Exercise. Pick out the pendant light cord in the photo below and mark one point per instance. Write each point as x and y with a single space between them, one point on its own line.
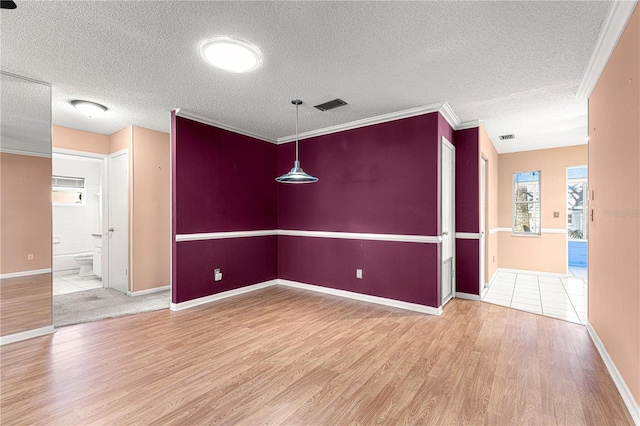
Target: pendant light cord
297 149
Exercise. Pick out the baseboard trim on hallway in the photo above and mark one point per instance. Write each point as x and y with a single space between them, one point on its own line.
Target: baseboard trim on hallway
524 271
484 292
148 291
25 273
218 296
30 334
363 297
627 396
467 296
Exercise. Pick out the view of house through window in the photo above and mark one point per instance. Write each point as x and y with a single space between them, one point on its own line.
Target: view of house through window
577 203
526 203
577 216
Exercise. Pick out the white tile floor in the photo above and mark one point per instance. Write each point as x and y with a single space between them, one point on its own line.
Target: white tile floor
64 284
564 298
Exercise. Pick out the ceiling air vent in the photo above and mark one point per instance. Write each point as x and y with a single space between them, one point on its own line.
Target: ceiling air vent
505 137
330 105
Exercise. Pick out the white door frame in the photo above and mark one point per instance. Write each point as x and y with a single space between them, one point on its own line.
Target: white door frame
452 233
108 221
483 224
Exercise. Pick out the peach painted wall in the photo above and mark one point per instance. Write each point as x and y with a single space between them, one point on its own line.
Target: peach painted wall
79 140
548 252
614 234
120 140
25 212
151 209
489 153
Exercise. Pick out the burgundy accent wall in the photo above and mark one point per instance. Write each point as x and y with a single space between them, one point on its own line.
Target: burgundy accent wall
467 180
243 261
394 270
468 209
379 179
468 266
225 181
222 181
382 179
445 129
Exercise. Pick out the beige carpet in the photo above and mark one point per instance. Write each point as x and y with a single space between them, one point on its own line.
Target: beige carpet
101 303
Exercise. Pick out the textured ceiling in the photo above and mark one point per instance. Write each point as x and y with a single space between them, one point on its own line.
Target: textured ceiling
514 65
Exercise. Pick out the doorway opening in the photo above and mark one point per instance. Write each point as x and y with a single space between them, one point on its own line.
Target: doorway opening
90 194
577 223
77 197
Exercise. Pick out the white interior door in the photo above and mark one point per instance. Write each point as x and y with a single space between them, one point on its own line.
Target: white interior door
119 222
483 221
447 286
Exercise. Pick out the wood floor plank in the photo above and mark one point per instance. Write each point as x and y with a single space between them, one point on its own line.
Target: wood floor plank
287 356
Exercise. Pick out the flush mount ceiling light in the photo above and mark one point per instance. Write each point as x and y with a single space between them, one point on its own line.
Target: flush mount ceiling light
90 109
231 54
297 175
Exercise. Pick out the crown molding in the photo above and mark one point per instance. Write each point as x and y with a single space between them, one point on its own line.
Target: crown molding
201 119
25 152
612 29
449 115
442 107
469 124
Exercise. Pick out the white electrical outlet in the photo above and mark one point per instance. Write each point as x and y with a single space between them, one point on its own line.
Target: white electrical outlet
359 273
217 275
30 256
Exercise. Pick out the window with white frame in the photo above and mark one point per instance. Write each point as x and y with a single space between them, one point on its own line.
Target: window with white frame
68 191
526 203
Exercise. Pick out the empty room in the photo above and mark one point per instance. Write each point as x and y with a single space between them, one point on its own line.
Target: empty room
320 213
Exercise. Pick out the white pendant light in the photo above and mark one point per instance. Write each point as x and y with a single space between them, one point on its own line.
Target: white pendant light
297 175
90 109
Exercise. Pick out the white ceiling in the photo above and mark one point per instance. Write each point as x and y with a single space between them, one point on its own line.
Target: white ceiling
514 65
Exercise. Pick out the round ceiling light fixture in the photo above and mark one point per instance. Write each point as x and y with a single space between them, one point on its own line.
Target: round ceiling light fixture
231 54
90 109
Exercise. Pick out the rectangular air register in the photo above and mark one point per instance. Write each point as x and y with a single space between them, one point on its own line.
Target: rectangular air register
505 137
331 105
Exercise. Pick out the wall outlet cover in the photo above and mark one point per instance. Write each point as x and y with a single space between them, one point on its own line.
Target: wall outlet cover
359 273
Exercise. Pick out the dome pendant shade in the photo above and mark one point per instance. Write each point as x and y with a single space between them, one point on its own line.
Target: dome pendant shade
297 175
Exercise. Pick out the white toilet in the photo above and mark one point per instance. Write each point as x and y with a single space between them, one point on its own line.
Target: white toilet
86 264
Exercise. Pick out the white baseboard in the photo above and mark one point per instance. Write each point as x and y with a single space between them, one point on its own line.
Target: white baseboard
524 271
25 273
467 296
493 276
148 291
318 289
30 334
363 297
206 299
627 396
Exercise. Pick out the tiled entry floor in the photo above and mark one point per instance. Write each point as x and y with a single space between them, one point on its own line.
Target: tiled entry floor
564 298
64 284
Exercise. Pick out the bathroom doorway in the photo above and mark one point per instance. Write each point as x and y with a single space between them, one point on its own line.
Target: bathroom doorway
77 189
